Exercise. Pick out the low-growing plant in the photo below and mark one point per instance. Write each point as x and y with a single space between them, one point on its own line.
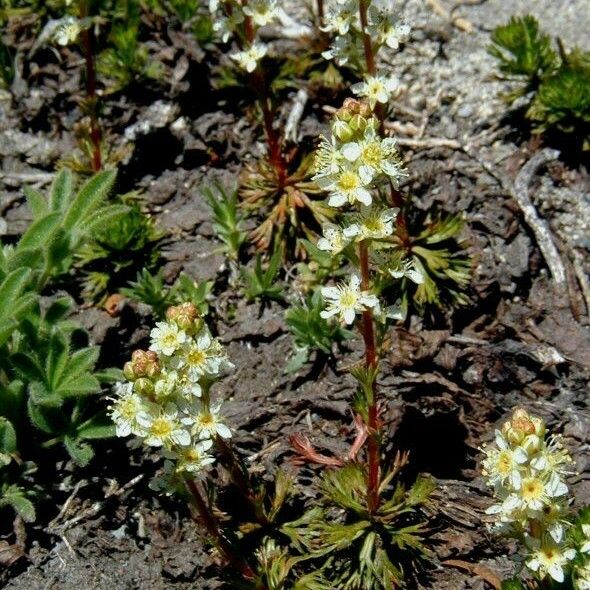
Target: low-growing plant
527 469
227 221
119 249
126 58
260 283
152 290
311 332
554 83
367 533
278 186
48 376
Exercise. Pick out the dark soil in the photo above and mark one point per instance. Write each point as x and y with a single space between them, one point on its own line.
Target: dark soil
447 380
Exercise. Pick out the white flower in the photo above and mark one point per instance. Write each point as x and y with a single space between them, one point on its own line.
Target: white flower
249 58
67 31
375 155
376 89
208 424
195 457
341 17
164 428
226 26
585 548
550 559
198 357
262 12
347 300
328 158
387 28
372 224
407 269
333 240
124 412
504 463
167 338
348 185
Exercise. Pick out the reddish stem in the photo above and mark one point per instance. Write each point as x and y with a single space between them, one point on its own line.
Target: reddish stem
321 12
273 140
373 426
213 530
367 45
95 134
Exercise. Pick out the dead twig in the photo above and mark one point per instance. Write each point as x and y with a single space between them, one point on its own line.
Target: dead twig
294 118
578 264
519 191
458 21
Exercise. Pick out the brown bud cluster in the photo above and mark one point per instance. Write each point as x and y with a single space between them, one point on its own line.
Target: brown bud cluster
143 363
522 425
186 316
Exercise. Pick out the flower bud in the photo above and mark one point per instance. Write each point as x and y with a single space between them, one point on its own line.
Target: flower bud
128 371
144 387
342 131
183 315
358 123
143 364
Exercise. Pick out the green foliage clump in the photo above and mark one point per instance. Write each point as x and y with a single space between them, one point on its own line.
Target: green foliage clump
227 220
118 251
126 59
48 376
311 332
555 82
151 290
355 548
440 256
260 283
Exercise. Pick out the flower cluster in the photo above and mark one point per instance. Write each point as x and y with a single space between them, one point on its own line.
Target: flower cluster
384 29
527 471
166 399
351 166
242 19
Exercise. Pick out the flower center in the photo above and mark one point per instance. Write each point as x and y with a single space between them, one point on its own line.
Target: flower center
532 489
372 154
348 181
196 357
347 299
161 427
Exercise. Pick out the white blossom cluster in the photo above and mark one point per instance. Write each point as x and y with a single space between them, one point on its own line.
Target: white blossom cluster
527 471
166 398
350 167
384 27
242 19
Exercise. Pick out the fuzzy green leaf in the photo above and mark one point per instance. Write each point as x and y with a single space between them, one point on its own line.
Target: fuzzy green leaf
81 453
89 198
61 190
16 497
40 232
10 289
36 202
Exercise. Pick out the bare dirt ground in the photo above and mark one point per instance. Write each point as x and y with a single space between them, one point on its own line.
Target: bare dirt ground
447 379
